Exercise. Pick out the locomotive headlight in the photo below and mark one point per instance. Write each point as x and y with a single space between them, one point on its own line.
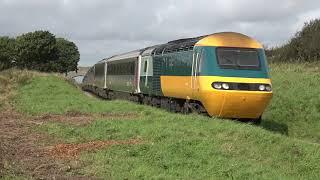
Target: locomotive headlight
268 88
262 87
217 85
225 86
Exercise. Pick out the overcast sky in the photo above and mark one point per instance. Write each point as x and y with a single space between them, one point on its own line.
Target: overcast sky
102 28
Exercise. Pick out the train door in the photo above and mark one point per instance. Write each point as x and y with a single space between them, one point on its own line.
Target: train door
105 75
196 66
146 74
137 74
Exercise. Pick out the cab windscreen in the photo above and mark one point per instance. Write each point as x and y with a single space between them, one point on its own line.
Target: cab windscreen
238 58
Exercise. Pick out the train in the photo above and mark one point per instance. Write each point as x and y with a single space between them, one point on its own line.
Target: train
223 75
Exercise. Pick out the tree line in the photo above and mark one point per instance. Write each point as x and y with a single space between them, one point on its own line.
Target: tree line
304 46
39 50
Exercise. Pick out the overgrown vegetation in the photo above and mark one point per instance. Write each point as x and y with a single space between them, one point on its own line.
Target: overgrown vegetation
39 50
303 47
286 145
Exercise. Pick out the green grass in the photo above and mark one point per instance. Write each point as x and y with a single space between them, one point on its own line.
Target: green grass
10 80
295 107
52 94
191 147
285 146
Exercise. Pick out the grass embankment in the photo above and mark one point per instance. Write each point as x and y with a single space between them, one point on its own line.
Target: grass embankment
52 94
9 82
175 145
295 107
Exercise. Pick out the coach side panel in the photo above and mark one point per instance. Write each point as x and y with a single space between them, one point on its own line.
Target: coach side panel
121 75
99 75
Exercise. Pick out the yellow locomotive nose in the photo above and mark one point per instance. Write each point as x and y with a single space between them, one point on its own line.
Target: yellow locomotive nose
236 103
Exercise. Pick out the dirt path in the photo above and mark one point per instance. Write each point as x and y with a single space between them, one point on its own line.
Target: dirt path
24 152
28 153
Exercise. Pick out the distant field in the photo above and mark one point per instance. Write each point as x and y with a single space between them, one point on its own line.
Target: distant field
118 139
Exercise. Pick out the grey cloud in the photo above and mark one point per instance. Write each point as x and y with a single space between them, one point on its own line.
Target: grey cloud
102 28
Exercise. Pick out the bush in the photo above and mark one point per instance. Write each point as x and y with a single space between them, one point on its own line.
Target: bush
304 46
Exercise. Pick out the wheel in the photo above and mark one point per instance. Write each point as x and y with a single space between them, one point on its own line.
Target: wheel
178 107
155 102
145 101
185 108
173 106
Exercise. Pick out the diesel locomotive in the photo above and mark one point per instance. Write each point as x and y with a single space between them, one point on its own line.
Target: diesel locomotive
223 75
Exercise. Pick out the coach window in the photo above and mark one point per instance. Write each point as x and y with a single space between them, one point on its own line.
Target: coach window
201 61
123 69
145 66
132 68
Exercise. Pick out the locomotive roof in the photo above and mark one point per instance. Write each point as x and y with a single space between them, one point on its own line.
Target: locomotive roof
226 39
229 39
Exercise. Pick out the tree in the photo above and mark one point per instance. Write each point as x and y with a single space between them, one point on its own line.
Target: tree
7 52
36 50
68 55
